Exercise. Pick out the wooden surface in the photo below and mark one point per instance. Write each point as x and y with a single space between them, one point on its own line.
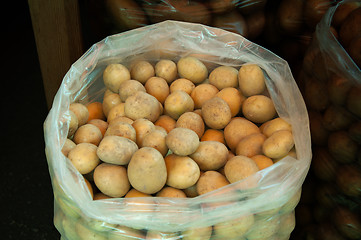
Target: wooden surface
57 31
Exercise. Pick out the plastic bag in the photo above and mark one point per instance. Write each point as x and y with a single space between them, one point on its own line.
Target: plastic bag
265 201
331 84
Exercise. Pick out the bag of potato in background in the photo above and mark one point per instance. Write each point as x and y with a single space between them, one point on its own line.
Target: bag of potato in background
260 206
331 85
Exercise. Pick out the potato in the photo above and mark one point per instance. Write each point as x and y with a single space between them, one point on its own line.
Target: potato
202 233
233 98
278 144
251 145
111 179
191 121
109 101
116 150
224 77
314 10
114 74
251 80
121 129
73 124
192 69
101 124
85 232
237 129
337 118
125 233
233 229
88 133
68 145
213 135
147 171
142 127
166 122
182 84
231 21
269 127
177 103
210 181
84 157
81 112
128 88
353 101
319 134
262 161
239 167
342 11
182 171
123 119
290 16
258 108
142 71
156 139
354 50
256 23
182 141
354 132
116 111
264 229
142 105
157 87
202 93
166 69
135 193
171 192
290 205
350 27
210 155
342 147
216 113
157 235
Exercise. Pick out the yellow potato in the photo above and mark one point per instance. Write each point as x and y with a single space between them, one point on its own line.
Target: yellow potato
142 105
84 157
109 101
182 141
142 71
262 161
278 144
182 171
210 155
115 112
68 145
224 77
269 127
157 87
233 98
202 233
216 113
81 112
177 103
166 122
147 171
114 74
111 179
192 69
128 88
202 93
251 145
116 150
142 127
237 129
73 124
191 121
121 129
122 119
88 133
233 229
166 69
263 229
210 181
251 80
258 108
156 139
239 167
171 192
182 84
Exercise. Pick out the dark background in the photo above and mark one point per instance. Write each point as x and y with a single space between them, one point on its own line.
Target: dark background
26 192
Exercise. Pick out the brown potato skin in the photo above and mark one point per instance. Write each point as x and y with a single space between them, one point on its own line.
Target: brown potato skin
191 121
210 155
216 113
239 167
350 27
182 141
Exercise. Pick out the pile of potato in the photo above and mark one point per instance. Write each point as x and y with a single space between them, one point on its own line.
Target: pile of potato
333 99
178 129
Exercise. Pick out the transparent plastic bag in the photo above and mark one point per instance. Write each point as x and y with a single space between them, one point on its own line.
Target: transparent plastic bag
258 206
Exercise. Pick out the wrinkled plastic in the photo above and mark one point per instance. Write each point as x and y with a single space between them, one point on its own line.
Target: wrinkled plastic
269 196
